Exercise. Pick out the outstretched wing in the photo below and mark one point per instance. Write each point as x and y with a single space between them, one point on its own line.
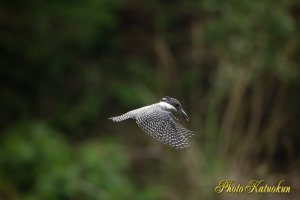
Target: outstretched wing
162 125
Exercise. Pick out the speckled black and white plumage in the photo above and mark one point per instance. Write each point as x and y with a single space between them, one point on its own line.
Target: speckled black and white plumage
158 121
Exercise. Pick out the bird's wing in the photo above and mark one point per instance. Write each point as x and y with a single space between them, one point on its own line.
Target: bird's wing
161 125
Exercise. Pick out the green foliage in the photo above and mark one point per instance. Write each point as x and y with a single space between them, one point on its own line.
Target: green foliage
37 163
233 64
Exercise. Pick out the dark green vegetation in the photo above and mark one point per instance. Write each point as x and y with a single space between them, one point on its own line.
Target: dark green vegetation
66 66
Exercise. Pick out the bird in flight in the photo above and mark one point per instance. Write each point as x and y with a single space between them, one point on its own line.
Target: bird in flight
158 121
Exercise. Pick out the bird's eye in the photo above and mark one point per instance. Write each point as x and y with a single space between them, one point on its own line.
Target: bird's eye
177 105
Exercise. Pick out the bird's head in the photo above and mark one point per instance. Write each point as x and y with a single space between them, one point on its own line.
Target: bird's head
174 105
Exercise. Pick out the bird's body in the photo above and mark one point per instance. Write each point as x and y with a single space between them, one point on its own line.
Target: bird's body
158 121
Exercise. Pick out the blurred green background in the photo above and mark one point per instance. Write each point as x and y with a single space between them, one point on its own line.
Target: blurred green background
66 66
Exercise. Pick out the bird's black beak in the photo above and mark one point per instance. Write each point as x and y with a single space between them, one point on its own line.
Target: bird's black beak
183 114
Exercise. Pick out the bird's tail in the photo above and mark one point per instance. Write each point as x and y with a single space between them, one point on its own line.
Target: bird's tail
121 117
